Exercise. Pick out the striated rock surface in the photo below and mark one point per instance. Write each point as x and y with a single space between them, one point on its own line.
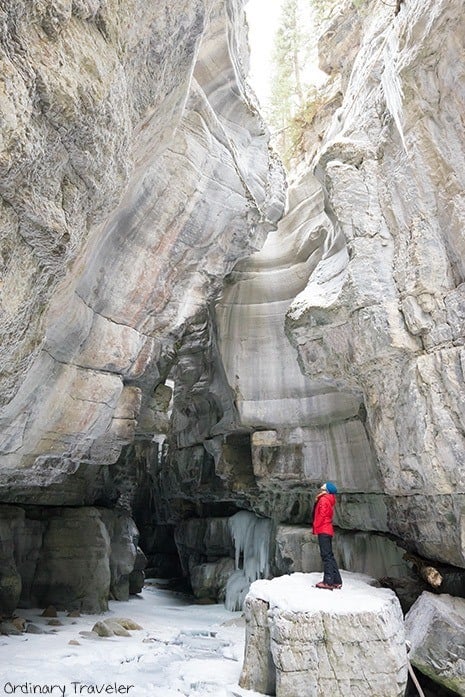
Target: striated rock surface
301 420
175 347
120 231
388 325
305 641
435 629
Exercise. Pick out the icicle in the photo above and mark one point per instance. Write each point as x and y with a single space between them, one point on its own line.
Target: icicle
237 588
239 525
251 537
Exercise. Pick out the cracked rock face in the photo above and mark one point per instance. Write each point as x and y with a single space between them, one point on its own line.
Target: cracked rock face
300 641
435 629
392 328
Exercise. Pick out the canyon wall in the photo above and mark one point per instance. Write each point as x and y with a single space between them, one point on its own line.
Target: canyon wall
184 340
392 326
128 130
135 172
364 278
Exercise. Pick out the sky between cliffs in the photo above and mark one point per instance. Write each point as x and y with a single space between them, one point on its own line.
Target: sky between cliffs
263 17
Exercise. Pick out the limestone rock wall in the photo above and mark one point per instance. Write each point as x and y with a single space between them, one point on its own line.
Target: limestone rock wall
391 327
298 642
363 276
119 229
144 242
72 558
296 549
248 426
435 630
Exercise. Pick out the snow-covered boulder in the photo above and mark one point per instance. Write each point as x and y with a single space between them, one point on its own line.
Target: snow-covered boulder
304 641
435 629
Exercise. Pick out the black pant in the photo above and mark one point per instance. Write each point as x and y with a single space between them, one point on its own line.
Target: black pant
331 573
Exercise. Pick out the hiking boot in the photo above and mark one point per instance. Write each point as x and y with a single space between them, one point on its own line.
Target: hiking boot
322 584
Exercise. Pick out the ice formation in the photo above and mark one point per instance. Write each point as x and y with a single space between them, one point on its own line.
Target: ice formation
251 537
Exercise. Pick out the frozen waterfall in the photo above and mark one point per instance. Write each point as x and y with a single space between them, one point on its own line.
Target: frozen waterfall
251 537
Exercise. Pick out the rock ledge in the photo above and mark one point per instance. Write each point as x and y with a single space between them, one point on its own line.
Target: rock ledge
304 641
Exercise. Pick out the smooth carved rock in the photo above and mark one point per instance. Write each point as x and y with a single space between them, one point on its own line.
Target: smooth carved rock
75 332
309 642
259 361
435 629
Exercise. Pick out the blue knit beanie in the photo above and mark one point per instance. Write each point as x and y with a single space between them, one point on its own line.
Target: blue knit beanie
331 488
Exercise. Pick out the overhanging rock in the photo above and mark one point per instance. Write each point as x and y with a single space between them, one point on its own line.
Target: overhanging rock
304 641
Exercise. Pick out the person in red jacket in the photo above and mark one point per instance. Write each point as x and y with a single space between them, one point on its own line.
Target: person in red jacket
323 512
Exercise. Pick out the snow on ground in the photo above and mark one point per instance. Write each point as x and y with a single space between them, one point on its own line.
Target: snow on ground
297 593
183 649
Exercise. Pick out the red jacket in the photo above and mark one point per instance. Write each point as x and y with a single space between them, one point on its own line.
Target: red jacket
323 514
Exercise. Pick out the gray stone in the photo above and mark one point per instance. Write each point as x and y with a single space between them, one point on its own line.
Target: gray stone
10 589
102 630
332 349
124 536
136 582
49 611
209 579
127 623
74 335
435 629
258 671
312 642
89 635
73 570
388 325
7 628
115 626
12 540
198 538
32 628
360 552
338 451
